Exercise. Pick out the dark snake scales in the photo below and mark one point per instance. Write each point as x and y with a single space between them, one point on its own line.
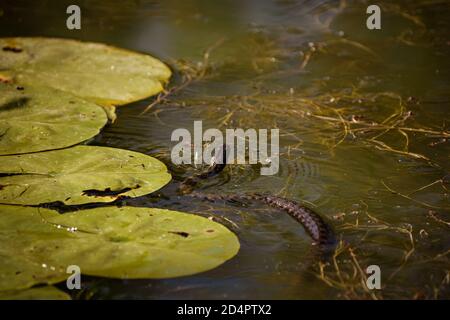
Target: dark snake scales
321 233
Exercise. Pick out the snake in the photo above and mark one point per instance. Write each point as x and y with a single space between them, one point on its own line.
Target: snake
315 225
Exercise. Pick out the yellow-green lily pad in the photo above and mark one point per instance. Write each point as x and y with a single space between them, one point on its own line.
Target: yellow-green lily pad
40 293
78 175
38 245
98 72
36 118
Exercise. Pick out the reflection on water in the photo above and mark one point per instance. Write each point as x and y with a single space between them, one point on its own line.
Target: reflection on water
363 119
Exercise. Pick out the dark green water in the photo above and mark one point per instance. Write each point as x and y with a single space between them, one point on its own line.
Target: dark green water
359 112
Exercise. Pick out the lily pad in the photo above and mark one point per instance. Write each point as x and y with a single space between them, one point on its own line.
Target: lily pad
41 293
36 118
128 243
101 73
78 175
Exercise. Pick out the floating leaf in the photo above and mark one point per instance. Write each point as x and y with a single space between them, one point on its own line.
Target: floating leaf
82 174
37 245
101 73
41 293
39 118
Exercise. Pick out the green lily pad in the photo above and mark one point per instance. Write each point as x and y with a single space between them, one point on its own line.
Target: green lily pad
39 118
41 293
78 175
101 73
128 243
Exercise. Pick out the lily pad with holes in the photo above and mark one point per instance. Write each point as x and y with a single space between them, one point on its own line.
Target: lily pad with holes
78 175
36 118
100 73
37 245
40 293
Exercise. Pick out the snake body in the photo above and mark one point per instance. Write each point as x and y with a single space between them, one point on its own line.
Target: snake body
320 232
314 224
